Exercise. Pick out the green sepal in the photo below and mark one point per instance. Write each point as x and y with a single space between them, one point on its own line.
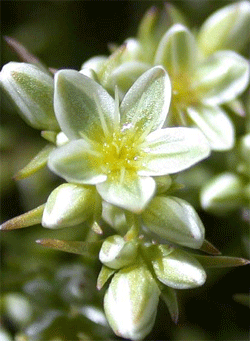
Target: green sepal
29 218
87 249
220 261
37 163
209 248
169 296
103 276
49 135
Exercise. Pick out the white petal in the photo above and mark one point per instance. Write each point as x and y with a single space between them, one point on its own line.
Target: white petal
172 150
215 125
222 77
82 106
129 192
78 162
146 104
227 28
177 51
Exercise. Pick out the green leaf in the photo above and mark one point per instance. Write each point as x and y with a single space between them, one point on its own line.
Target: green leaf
145 106
89 249
29 218
170 298
177 51
32 92
104 276
175 220
220 261
227 28
172 150
37 163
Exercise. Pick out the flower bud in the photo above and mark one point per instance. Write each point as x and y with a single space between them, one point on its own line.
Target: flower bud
68 205
178 269
223 193
130 302
117 253
31 89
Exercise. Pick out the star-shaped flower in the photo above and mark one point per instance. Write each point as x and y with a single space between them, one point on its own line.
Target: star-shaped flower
121 148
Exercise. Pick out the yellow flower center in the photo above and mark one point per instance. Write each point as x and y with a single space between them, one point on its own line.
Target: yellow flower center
121 153
183 93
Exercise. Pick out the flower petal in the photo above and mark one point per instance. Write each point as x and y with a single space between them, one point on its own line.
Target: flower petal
82 106
145 106
175 220
172 150
129 192
227 28
32 92
215 125
179 270
177 51
78 162
222 77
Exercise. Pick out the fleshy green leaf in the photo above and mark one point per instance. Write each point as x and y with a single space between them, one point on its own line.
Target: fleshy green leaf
227 28
222 77
145 106
129 192
172 150
68 205
170 298
31 90
77 161
179 270
104 276
215 125
38 162
177 51
79 248
175 220
82 106
220 261
29 218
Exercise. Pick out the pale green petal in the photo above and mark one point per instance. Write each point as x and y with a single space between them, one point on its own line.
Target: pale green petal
179 270
127 73
215 125
175 220
222 77
32 92
223 193
177 51
172 150
94 63
227 28
78 162
130 302
145 106
129 192
82 106
68 205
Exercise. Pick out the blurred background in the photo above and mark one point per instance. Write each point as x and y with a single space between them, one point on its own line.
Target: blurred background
64 34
